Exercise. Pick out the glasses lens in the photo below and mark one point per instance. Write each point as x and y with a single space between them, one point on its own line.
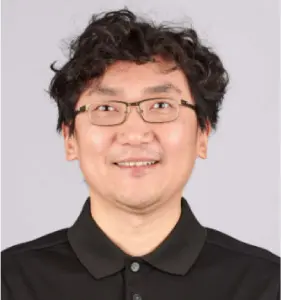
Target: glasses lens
107 113
159 110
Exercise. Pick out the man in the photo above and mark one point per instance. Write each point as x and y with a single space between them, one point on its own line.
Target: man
137 102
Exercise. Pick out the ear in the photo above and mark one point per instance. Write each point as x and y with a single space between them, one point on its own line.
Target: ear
202 146
70 144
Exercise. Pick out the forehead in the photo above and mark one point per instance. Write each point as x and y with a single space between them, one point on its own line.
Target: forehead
129 76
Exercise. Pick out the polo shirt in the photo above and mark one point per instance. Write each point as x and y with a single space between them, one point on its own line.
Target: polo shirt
194 262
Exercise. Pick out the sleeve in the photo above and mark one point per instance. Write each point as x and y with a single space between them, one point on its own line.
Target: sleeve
8 277
15 284
276 287
6 293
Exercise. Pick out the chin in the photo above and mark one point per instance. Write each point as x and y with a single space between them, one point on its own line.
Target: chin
135 203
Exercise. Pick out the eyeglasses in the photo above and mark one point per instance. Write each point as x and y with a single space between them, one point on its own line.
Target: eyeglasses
152 110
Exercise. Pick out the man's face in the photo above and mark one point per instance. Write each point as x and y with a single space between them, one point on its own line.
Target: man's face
175 144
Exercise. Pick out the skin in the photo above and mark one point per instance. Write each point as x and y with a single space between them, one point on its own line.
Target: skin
137 209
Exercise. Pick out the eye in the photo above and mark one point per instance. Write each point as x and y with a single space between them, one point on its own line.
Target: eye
104 107
161 104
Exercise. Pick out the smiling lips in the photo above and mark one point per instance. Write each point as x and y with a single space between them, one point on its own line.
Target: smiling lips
136 163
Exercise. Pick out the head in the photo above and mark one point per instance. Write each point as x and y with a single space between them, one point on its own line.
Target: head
120 57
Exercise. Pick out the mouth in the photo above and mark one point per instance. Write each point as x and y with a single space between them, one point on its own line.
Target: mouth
137 165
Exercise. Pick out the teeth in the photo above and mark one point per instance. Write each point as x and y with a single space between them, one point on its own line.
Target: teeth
136 163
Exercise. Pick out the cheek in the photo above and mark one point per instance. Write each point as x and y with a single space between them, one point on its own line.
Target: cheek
93 147
179 145
180 137
97 141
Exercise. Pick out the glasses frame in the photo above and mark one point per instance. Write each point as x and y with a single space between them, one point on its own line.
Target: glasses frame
86 108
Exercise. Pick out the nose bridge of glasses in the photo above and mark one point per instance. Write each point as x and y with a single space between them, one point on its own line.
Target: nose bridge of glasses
137 105
139 111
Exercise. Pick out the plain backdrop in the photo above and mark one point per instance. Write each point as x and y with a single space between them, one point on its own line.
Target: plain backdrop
235 190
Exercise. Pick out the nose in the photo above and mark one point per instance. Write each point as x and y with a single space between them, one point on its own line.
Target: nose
134 130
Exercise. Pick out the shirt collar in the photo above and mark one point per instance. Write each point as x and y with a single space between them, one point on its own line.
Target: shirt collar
175 255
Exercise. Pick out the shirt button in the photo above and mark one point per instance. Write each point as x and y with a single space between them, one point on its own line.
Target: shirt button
135 267
137 297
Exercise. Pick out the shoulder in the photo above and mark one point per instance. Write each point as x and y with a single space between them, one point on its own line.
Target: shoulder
241 255
239 248
23 250
22 263
246 265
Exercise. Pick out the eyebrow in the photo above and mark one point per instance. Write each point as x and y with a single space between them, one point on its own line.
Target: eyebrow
104 90
161 88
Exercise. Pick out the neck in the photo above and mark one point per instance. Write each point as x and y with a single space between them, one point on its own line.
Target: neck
134 233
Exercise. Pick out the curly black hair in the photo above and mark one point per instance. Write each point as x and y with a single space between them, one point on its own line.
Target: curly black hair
121 35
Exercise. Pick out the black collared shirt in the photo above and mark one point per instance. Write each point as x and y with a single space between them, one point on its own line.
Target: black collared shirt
194 262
